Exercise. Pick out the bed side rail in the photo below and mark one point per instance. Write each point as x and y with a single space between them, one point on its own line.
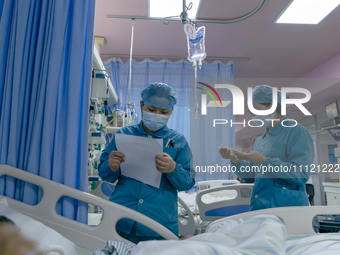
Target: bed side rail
184 229
214 183
240 203
82 235
189 227
98 190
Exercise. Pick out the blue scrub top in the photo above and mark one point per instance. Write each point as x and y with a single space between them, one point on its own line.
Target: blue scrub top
289 147
158 204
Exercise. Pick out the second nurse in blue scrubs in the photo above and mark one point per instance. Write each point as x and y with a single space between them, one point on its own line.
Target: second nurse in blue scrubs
157 103
283 146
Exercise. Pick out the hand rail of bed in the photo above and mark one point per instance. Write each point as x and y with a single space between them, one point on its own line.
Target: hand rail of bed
202 185
184 229
298 219
242 199
82 235
98 190
189 227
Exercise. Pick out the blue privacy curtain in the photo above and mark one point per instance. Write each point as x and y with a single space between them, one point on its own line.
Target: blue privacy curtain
178 75
45 79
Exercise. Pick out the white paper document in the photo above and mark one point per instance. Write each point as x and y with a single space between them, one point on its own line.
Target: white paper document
140 158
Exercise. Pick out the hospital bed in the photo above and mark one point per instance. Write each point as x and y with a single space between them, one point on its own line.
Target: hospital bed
298 220
87 237
186 225
237 202
215 199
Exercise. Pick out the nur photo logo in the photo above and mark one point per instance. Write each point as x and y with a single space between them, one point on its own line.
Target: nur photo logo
238 101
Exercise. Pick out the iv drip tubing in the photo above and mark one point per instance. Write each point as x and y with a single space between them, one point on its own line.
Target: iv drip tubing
130 71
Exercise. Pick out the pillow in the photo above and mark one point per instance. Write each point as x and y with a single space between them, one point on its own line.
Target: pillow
37 231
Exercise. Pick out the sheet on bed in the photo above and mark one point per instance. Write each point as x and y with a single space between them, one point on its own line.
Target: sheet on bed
262 234
317 244
115 248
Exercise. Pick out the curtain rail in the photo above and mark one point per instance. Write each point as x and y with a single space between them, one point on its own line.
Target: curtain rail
225 21
174 57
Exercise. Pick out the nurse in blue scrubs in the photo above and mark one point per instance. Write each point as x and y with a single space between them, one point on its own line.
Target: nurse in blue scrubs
157 103
284 148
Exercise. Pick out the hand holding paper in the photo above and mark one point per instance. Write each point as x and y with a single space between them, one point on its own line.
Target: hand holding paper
115 159
165 163
140 158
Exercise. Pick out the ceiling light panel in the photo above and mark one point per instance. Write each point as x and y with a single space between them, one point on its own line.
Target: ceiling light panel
307 11
167 8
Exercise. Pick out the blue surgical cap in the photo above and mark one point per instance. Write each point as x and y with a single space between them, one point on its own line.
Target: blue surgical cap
264 94
159 95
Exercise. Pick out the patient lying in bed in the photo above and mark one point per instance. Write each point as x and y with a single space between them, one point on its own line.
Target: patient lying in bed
12 242
261 234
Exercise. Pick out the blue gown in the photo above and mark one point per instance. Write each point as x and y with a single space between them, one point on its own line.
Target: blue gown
290 147
158 204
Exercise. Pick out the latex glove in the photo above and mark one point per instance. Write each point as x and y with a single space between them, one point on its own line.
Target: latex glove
226 154
115 159
165 163
253 156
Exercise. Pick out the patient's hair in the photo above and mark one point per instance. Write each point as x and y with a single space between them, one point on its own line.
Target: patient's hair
4 219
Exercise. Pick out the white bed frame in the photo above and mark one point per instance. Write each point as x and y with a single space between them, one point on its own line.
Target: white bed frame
189 227
185 229
82 235
242 198
214 183
98 190
298 219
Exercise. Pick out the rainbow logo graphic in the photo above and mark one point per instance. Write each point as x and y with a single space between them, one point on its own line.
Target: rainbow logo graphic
209 93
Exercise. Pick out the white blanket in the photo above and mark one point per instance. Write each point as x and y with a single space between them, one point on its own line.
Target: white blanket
327 244
262 234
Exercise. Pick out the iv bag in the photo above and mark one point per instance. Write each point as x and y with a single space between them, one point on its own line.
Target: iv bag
196 47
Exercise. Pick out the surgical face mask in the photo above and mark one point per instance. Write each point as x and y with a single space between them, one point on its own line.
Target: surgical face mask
267 120
154 121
